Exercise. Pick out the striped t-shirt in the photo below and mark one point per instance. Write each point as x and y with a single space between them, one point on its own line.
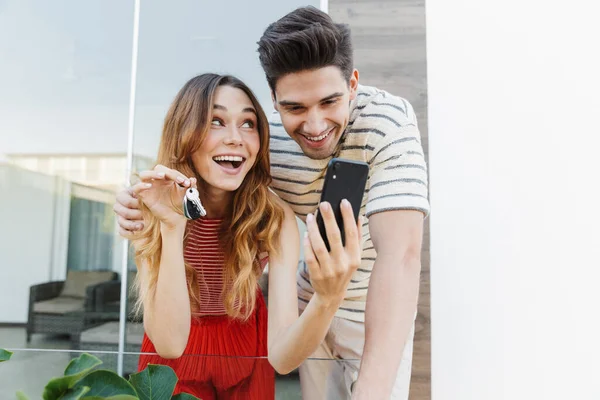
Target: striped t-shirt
203 253
383 132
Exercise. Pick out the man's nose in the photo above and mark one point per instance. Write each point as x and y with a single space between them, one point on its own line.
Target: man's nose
315 124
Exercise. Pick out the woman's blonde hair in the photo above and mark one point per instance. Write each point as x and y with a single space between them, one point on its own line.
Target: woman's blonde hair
253 220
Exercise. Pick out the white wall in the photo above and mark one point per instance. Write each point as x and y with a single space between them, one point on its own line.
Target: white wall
33 241
514 135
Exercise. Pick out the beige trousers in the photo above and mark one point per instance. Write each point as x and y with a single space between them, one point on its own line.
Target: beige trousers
332 370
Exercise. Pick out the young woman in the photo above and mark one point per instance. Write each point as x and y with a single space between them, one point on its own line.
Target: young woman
204 314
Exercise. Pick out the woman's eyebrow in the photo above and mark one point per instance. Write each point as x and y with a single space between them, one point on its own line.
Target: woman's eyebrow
245 110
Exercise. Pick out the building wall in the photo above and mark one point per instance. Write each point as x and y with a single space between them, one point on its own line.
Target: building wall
389 52
513 117
34 210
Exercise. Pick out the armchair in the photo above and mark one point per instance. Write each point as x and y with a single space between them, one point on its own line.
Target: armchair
59 307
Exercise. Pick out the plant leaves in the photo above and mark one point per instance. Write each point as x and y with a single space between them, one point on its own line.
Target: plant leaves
83 363
21 396
155 382
75 394
77 369
104 383
117 397
5 355
184 396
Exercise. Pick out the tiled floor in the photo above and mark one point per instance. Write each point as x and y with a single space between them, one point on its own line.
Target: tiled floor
30 370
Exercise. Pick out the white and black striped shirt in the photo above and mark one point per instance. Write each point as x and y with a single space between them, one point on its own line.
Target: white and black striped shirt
383 132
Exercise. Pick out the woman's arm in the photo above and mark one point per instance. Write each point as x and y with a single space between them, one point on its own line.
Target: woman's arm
167 314
292 339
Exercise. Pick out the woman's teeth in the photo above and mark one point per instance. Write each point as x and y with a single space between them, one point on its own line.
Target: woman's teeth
228 158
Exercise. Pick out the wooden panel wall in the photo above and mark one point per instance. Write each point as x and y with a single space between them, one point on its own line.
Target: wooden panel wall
389 45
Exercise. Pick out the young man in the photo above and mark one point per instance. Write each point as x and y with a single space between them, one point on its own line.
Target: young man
322 112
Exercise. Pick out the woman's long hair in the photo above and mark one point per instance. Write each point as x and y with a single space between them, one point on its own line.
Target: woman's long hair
253 220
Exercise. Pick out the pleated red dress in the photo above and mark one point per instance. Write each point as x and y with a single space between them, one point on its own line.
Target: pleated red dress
225 358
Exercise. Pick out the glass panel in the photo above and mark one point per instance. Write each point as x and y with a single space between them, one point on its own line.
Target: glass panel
91 231
174 46
29 371
63 123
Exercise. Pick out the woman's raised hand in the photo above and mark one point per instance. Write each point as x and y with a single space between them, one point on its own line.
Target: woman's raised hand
162 190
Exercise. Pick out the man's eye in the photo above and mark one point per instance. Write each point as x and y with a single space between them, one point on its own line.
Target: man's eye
329 102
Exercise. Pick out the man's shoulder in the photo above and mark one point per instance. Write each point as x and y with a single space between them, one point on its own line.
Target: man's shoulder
274 121
371 100
378 117
277 133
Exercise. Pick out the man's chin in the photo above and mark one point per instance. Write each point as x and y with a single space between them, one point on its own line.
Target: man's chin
319 153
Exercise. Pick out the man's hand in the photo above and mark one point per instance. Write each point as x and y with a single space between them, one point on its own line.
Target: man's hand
127 206
330 272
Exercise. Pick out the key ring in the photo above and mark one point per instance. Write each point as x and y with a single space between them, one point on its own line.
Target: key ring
192 206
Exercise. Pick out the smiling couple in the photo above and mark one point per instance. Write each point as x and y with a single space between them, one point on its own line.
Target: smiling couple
198 279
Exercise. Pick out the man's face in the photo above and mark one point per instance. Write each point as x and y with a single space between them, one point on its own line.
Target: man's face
315 107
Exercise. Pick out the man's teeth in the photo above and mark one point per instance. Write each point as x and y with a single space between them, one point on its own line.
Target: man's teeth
228 158
318 138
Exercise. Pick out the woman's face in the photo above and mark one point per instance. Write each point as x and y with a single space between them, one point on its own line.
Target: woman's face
232 143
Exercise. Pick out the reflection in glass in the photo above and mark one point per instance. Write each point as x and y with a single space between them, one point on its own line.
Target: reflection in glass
63 118
30 370
174 48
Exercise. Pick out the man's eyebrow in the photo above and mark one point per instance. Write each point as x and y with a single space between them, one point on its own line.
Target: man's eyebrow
331 96
287 103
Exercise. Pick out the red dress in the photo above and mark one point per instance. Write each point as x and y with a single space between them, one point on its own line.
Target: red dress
224 358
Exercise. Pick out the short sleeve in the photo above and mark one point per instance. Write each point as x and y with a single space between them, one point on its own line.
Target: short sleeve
398 173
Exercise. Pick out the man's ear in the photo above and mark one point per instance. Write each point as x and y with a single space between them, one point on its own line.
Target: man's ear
274 100
353 84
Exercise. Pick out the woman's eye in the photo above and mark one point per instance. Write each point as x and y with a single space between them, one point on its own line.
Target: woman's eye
216 122
248 124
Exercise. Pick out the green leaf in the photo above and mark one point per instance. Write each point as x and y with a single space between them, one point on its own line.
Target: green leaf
155 382
184 396
84 363
21 396
117 397
103 383
77 369
75 394
5 355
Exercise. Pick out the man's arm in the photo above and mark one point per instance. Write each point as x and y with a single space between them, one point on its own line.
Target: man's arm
392 300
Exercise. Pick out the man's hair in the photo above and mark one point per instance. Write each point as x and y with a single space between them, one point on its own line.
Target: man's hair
305 39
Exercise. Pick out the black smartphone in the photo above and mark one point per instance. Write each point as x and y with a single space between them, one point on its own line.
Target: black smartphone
344 179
